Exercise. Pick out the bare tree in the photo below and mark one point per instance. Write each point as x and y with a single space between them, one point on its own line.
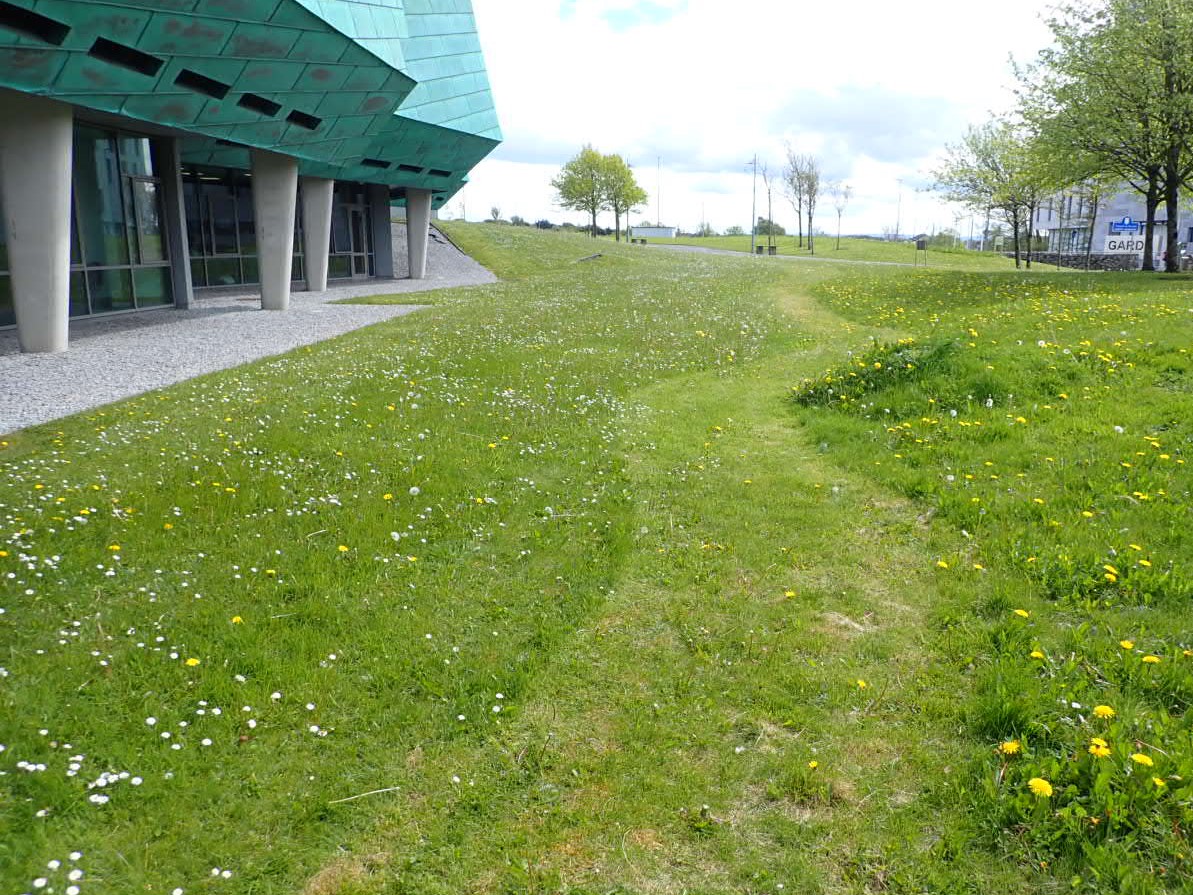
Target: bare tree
767 181
811 194
841 194
793 186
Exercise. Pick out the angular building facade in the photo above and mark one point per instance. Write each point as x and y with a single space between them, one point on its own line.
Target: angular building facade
155 147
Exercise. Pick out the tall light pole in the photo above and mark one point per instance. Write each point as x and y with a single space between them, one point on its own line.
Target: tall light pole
754 205
658 195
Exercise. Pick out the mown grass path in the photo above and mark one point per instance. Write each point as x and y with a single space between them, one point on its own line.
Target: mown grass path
550 588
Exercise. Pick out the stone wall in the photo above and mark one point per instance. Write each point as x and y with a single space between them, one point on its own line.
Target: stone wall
1076 260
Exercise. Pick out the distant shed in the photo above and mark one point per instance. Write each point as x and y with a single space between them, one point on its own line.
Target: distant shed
653 232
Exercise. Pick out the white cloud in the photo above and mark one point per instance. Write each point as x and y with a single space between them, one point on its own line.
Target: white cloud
875 88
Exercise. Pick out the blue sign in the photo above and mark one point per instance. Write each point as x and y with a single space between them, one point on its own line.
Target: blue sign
1126 225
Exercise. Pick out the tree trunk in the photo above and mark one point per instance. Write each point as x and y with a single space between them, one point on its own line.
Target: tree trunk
1172 188
594 223
616 225
1015 229
1149 228
811 244
1031 231
1095 198
799 220
838 231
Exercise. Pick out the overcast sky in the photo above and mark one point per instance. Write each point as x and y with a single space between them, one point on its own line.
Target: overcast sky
874 89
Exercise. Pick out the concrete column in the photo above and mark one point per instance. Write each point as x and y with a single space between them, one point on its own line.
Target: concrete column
275 201
418 225
382 225
174 223
36 161
317 194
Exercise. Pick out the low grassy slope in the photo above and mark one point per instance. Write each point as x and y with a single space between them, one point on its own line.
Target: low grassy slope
853 249
552 588
1049 422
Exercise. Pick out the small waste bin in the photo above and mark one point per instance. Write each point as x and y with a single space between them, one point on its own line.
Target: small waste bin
759 249
772 250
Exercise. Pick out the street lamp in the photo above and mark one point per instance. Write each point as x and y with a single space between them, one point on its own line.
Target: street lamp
754 204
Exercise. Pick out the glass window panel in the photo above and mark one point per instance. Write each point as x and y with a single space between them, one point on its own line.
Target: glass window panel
221 208
3 247
198 274
338 267
251 274
153 287
195 235
247 220
136 156
76 253
223 272
358 231
100 206
149 217
7 316
340 239
111 290
78 295
130 219
296 269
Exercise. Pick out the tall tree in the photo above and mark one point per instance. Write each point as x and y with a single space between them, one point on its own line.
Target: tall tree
622 192
811 177
580 184
993 167
794 183
1118 86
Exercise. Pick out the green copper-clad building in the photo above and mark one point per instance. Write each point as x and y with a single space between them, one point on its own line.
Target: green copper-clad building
152 148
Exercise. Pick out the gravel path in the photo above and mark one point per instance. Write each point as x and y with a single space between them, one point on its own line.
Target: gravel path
112 358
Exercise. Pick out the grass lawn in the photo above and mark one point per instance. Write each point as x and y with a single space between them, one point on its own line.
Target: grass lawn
654 573
853 249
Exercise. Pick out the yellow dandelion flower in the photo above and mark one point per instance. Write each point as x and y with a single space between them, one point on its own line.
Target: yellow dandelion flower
1011 747
1151 660
237 620
1040 787
1098 748
1036 654
813 765
387 497
343 548
1140 758
192 662
115 548
1104 712
861 684
1159 781
1127 644
941 564
789 593
1022 613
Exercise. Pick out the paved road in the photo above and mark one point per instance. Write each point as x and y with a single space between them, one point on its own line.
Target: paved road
706 251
